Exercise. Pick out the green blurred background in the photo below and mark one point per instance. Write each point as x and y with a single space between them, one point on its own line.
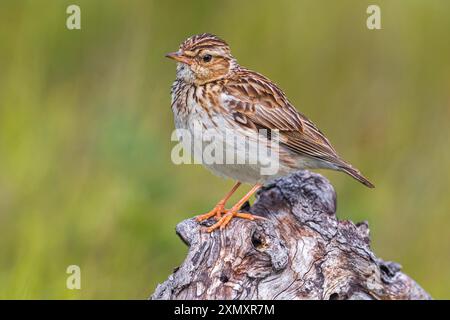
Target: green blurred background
85 124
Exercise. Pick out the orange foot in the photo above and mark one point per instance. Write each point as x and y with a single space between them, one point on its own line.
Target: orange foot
222 223
234 211
218 210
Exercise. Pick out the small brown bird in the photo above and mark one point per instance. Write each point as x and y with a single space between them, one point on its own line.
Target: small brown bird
213 91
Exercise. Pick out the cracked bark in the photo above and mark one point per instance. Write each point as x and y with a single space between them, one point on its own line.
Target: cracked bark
302 251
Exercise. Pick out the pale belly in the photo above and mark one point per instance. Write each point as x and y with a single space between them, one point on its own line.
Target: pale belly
231 151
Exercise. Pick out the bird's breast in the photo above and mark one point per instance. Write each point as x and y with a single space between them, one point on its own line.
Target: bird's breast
210 135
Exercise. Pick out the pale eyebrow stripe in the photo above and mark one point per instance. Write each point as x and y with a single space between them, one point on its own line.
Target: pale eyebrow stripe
189 53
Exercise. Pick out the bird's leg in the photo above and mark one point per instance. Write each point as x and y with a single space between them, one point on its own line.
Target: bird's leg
234 211
220 207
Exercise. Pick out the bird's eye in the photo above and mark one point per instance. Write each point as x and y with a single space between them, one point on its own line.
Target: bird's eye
207 58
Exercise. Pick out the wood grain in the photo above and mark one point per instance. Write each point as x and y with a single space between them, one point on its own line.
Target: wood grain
301 251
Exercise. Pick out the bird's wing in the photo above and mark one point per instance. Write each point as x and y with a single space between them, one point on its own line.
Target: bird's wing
256 102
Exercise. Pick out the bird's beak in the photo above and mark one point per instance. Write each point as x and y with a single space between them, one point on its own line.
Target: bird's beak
178 56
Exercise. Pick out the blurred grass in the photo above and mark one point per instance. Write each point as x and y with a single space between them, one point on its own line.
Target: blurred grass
85 124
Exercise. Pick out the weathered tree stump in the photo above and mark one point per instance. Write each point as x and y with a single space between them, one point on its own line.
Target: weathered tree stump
300 252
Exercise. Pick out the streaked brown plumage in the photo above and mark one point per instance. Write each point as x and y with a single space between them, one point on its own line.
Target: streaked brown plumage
212 89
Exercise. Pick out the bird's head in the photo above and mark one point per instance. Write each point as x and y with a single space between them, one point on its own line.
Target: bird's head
203 58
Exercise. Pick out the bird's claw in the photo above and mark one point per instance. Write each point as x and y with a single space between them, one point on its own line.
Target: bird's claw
216 212
223 222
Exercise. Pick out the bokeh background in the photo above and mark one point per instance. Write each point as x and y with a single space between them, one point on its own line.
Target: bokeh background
85 124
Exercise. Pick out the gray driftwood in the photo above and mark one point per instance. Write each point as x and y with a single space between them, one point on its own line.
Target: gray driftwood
302 251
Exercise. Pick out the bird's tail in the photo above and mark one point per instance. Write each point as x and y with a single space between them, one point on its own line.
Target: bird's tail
348 169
